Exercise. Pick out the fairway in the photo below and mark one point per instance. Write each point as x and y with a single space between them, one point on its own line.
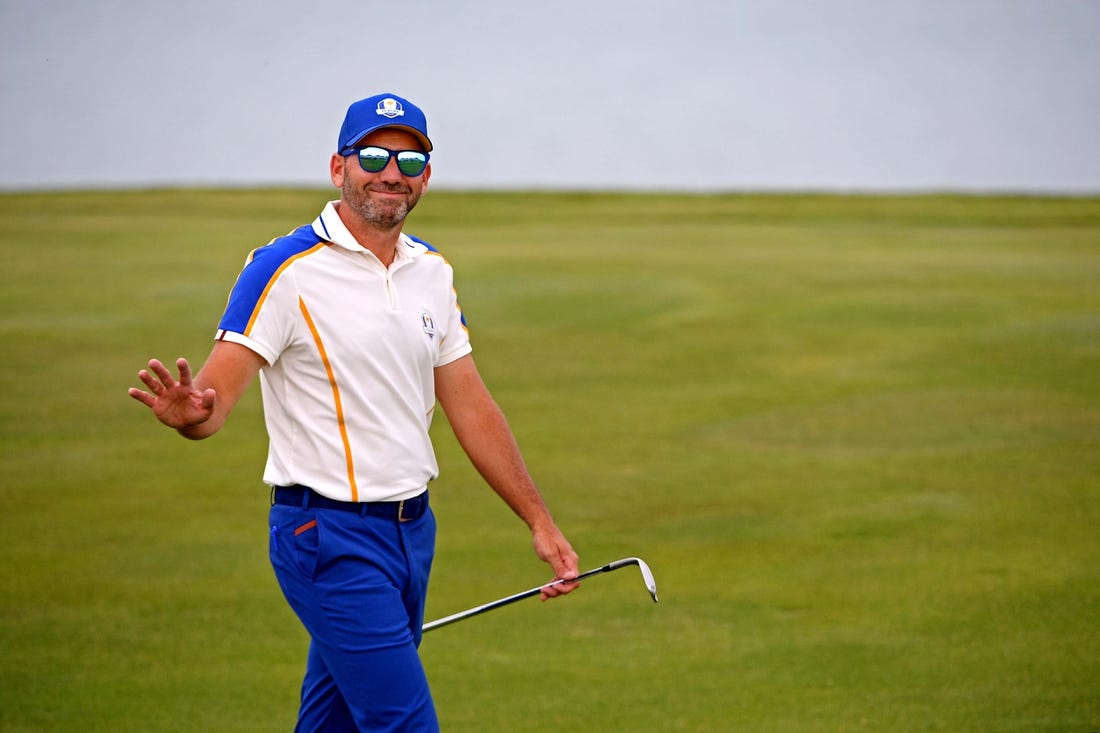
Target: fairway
856 438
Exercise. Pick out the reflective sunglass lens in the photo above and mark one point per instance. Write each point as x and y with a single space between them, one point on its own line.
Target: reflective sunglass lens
374 159
411 162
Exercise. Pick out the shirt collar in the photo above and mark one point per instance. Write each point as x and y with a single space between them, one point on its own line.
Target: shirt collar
329 227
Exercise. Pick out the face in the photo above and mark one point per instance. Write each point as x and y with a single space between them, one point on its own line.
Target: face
381 200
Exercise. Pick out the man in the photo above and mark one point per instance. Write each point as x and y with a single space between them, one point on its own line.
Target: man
355 330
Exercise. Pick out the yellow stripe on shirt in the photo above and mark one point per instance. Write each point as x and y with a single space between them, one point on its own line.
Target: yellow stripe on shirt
335 397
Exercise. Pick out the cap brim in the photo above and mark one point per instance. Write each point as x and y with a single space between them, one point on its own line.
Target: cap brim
388 126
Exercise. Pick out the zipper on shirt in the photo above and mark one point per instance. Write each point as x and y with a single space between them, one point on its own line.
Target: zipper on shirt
391 296
387 283
391 290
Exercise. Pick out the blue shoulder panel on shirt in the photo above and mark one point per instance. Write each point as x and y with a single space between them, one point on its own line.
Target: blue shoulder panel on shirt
418 240
255 276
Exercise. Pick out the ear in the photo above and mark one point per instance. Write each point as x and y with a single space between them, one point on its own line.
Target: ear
425 176
336 169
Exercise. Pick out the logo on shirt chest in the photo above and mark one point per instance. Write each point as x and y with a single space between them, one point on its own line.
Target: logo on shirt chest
428 324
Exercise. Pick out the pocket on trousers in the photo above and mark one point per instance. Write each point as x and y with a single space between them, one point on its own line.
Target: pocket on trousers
307 545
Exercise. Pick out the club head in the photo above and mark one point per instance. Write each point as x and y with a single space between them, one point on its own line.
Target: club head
647 574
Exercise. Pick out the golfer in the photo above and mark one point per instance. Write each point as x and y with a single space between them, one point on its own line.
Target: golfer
356 333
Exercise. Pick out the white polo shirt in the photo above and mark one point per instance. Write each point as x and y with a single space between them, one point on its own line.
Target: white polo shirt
348 388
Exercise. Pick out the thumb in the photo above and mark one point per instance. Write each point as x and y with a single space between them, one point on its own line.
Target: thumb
563 559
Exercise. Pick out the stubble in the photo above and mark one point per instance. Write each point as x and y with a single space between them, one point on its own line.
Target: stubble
380 214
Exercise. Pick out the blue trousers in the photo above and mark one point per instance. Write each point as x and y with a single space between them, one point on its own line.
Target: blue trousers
358 584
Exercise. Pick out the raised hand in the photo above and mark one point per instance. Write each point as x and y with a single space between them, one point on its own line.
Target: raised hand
177 404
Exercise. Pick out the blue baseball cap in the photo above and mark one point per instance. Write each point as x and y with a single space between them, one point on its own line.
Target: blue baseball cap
378 112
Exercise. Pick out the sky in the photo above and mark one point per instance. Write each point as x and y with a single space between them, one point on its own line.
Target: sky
691 95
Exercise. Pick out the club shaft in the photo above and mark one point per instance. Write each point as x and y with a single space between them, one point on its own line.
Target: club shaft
516 597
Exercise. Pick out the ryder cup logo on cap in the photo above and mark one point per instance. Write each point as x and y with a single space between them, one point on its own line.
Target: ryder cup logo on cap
379 112
390 107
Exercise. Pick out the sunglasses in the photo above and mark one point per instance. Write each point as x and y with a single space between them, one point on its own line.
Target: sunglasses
373 159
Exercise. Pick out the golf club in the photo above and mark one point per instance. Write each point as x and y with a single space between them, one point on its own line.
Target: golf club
647 576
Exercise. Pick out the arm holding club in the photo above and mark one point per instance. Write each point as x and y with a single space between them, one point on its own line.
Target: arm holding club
484 435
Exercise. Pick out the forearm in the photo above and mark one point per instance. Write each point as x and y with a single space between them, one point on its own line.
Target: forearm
484 434
492 448
488 441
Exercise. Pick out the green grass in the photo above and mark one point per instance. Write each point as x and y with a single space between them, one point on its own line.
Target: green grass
856 438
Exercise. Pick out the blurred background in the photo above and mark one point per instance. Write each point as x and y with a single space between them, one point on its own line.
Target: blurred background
855 95
856 436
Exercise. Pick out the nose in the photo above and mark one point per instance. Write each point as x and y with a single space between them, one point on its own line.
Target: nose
391 173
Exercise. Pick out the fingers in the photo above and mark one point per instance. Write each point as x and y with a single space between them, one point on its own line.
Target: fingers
143 397
177 404
557 588
162 374
185 371
149 381
563 559
159 380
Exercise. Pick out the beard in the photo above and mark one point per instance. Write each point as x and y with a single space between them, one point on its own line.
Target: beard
380 214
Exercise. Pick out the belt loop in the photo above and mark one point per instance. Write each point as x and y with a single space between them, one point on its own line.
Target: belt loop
305 497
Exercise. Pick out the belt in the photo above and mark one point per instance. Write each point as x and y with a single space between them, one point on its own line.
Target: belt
405 510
